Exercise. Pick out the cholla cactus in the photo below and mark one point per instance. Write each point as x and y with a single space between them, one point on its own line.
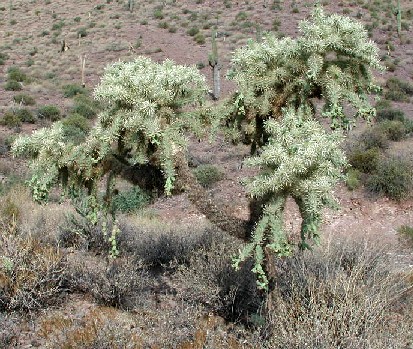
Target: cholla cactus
303 161
331 60
146 116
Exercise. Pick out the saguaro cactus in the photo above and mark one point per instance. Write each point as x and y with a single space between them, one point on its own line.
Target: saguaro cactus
216 67
399 18
131 5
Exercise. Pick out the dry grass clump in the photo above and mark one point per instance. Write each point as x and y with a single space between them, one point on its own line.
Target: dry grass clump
344 295
209 279
31 274
123 282
100 328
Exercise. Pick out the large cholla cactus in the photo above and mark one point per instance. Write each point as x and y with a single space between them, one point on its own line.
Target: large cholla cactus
331 60
147 112
303 161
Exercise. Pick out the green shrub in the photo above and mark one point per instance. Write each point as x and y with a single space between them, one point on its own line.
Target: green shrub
241 16
85 110
10 120
78 121
15 74
158 14
3 58
193 31
25 115
199 38
24 99
364 160
353 180
59 25
75 128
394 129
72 90
13 85
207 175
392 177
398 90
82 32
406 233
390 114
374 137
49 112
130 200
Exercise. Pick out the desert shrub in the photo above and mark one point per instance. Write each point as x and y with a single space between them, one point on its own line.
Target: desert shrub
25 115
76 121
193 31
118 283
199 38
58 26
9 330
398 90
406 233
161 248
364 160
374 137
84 109
100 327
340 296
130 200
158 14
353 179
31 275
24 99
10 120
49 112
209 279
15 74
390 114
394 129
3 58
81 32
72 90
207 174
392 177
73 134
12 85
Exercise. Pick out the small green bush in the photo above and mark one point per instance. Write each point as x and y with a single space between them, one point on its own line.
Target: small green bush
25 115
85 110
78 121
375 138
353 179
193 31
130 200
72 90
241 16
82 32
10 120
406 233
364 160
207 175
158 14
392 177
13 85
390 114
15 74
49 112
24 99
59 25
3 58
394 129
398 90
199 39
